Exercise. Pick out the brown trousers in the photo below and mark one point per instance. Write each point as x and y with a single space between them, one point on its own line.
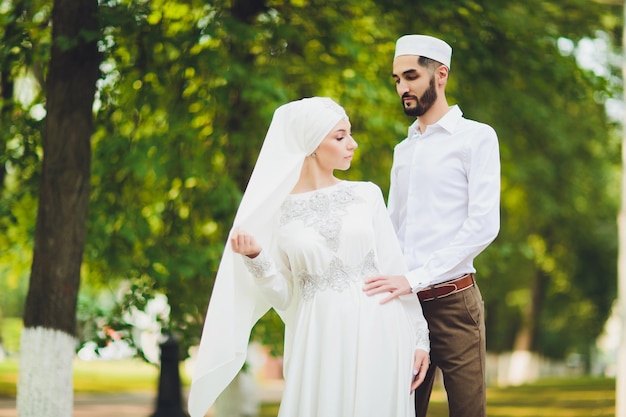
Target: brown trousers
457 347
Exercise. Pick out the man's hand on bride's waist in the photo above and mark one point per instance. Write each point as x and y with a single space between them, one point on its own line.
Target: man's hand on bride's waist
396 285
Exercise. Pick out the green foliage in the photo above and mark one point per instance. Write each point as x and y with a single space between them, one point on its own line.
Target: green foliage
187 92
10 333
23 54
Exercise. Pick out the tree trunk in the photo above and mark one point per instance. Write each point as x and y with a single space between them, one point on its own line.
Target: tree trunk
525 338
48 341
523 364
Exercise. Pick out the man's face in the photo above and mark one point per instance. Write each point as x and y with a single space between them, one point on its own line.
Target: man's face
415 85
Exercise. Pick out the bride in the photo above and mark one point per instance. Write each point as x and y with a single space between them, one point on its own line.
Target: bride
303 243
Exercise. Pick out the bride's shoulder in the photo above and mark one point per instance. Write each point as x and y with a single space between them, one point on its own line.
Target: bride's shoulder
366 187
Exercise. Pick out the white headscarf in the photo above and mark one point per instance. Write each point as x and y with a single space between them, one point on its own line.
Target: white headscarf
296 130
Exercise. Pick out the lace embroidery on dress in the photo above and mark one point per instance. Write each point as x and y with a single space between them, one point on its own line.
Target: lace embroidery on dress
322 211
258 266
423 340
337 276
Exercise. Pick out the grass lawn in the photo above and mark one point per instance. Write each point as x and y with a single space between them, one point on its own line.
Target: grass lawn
579 397
566 397
94 377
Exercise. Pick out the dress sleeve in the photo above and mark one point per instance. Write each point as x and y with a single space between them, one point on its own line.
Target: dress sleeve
391 262
273 277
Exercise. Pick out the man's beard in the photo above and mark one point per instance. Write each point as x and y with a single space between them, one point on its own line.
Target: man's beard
424 103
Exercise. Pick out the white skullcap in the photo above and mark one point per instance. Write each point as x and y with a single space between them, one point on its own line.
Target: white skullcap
426 46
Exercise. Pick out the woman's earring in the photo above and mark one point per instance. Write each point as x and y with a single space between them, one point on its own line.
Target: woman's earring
313 155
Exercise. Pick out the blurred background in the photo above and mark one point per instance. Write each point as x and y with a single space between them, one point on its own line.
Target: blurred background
184 95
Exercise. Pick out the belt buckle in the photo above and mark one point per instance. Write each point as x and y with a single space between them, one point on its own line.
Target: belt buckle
433 293
451 285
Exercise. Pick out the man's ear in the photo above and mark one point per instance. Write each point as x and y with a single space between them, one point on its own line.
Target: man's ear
442 74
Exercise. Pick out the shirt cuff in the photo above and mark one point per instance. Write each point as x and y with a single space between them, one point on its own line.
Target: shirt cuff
417 280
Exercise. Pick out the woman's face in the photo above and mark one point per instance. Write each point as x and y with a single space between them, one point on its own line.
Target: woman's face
337 148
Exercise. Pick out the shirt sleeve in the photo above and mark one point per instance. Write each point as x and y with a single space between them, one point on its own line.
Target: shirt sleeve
482 224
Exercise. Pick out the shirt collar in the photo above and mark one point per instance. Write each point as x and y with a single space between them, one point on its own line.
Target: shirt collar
448 122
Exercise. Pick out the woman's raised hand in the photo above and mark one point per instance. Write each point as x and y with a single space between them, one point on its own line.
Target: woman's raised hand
244 244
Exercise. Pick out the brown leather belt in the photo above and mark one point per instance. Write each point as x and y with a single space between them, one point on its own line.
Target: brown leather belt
447 288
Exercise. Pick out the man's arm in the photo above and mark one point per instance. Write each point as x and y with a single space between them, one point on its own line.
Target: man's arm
478 230
395 285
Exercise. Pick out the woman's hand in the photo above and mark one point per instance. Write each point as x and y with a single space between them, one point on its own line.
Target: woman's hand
244 244
421 361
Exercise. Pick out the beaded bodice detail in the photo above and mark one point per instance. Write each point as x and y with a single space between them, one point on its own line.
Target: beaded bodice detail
324 211
321 210
337 276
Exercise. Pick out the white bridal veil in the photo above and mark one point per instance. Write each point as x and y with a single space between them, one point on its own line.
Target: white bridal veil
296 130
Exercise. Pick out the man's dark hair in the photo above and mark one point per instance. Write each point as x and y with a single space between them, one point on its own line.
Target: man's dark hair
431 64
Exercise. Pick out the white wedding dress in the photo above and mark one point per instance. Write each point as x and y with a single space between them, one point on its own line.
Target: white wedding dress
346 355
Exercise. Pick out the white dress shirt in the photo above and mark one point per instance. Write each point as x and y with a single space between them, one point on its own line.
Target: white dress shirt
444 199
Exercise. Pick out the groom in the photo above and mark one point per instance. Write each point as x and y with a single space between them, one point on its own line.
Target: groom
444 202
